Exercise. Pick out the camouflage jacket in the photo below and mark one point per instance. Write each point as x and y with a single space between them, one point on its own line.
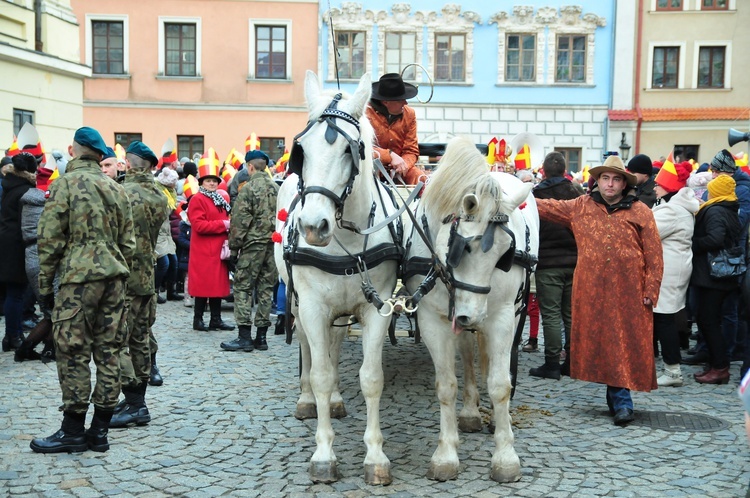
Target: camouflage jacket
150 211
86 229
254 213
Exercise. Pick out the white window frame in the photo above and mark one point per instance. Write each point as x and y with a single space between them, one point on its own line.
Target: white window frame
90 19
163 20
727 44
353 18
680 68
252 24
540 43
453 22
401 22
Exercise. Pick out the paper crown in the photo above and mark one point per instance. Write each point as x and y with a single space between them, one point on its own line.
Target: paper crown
209 165
168 152
252 142
190 187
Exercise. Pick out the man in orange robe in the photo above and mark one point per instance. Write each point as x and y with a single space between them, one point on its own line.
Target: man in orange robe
615 285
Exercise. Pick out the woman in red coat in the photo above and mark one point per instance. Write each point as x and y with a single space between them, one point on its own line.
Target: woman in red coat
208 274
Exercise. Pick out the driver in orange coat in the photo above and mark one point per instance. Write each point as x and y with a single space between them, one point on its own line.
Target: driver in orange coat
395 126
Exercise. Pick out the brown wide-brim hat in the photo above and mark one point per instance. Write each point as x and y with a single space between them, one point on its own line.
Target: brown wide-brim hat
614 164
392 87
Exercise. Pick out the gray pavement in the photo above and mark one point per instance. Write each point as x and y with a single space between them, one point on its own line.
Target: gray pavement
223 425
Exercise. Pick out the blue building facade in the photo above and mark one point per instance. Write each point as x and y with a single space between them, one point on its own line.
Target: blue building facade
498 69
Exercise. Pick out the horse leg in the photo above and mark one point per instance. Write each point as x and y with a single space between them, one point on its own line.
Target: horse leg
469 419
338 410
374 329
506 466
440 342
306 402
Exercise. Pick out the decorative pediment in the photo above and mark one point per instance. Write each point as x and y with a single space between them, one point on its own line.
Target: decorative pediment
350 17
569 16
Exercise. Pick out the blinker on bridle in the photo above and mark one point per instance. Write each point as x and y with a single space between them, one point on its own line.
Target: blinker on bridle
296 157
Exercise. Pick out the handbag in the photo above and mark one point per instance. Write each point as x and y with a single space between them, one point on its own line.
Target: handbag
727 263
225 252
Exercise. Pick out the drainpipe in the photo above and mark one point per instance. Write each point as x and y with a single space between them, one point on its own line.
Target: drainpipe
38 43
638 56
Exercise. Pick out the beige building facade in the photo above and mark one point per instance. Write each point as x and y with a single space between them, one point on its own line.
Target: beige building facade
205 73
689 85
42 76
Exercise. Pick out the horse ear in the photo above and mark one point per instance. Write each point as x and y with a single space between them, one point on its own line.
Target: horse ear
519 195
470 204
361 95
312 86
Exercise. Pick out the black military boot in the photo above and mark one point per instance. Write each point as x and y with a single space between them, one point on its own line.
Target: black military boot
244 341
71 437
198 309
96 435
172 292
155 379
550 369
260 339
280 328
216 323
135 410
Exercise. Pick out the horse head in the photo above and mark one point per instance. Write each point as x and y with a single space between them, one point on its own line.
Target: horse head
331 156
475 221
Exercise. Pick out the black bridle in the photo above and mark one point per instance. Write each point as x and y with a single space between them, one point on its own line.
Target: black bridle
355 150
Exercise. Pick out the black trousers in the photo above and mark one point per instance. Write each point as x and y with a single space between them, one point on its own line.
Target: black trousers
709 317
665 330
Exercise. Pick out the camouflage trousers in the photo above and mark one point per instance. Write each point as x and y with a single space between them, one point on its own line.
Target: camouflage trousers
135 354
88 320
255 270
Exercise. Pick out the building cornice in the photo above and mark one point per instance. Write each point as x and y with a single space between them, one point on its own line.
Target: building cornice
45 62
195 106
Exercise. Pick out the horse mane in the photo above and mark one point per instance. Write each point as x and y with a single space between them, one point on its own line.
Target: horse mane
367 133
461 170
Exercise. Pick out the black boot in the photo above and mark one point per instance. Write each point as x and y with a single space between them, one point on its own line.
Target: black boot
136 411
217 323
96 435
198 309
244 341
26 352
71 437
198 324
260 339
155 379
172 293
550 369
280 325
565 367
48 353
12 343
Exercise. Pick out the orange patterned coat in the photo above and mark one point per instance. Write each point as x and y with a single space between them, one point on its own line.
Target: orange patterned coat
619 263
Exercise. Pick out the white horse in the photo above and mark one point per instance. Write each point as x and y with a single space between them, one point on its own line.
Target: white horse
328 262
469 215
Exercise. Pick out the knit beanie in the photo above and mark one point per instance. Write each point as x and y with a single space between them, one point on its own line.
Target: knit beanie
640 163
168 177
672 177
721 186
24 162
723 162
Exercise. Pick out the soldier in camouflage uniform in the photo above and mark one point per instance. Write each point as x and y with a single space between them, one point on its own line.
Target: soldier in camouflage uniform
85 235
251 227
149 206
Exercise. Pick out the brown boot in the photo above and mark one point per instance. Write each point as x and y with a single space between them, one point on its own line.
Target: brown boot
714 376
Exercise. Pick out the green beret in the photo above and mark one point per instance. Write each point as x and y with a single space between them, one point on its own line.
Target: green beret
141 150
256 154
89 137
110 153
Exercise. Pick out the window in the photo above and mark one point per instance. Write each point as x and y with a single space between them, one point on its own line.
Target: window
686 152
108 45
520 58
351 47
180 49
270 55
714 5
668 4
21 117
571 59
711 67
187 145
272 146
400 50
450 57
125 139
572 157
665 66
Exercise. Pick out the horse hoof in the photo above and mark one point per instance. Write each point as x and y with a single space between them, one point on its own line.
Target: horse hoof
470 424
338 410
305 411
324 472
378 475
510 473
443 472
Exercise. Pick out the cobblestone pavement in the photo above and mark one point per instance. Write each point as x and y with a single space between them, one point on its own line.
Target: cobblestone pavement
223 425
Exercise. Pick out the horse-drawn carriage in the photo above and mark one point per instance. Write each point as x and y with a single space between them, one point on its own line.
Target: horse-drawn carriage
340 256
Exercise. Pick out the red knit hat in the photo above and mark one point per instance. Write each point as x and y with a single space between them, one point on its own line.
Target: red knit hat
672 177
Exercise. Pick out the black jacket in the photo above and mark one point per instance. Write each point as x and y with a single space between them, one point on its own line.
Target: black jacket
716 227
646 193
12 262
557 246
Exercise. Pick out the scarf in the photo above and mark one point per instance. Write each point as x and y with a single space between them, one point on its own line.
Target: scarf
219 201
171 196
720 189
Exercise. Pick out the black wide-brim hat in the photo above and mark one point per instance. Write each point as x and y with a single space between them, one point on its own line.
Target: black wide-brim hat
392 87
